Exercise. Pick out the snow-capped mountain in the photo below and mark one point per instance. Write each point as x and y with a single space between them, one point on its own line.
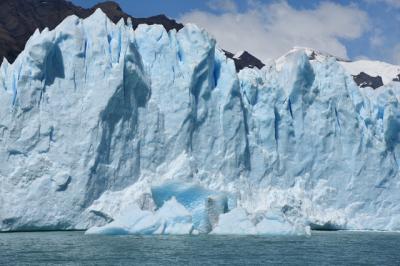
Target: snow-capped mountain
100 122
366 73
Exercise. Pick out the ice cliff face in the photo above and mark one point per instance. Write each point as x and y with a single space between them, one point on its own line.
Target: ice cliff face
94 116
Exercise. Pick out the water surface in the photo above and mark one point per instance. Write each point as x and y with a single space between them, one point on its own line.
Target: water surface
323 248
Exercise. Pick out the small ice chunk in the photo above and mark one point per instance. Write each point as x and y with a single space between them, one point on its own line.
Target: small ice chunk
275 223
215 206
136 221
235 222
203 204
175 218
238 222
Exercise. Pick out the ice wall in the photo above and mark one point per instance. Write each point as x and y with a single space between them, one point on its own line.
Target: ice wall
94 115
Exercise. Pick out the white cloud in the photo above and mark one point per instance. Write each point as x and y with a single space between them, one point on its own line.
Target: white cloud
394 3
391 3
396 54
270 30
377 39
222 5
361 57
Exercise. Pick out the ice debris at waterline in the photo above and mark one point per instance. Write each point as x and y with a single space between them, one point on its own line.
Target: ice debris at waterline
171 218
174 218
95 115
205 205
272 222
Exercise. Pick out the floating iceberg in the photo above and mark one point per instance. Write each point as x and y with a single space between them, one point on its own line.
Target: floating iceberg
174 218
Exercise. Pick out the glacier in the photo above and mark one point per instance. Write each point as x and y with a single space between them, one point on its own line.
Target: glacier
97 120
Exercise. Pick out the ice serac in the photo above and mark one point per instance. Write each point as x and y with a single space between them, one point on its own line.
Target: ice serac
101 125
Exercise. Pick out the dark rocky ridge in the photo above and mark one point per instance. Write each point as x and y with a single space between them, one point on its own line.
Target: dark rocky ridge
245 60
397 78
314 55
364 80
20 18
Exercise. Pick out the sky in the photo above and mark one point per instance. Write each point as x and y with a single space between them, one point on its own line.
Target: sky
351 29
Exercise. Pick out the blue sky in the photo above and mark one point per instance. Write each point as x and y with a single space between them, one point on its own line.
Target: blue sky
268 28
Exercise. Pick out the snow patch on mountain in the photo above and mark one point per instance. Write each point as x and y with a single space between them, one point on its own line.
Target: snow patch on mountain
387 71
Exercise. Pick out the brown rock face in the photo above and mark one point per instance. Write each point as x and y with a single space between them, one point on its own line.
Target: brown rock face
20 18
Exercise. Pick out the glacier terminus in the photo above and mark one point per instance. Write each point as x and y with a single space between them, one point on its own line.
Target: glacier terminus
147 131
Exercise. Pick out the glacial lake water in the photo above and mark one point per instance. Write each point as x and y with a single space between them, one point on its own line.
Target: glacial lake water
323 248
